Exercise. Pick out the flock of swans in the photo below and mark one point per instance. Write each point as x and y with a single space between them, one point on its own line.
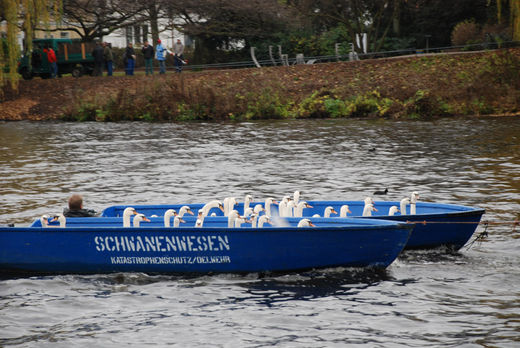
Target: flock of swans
257 216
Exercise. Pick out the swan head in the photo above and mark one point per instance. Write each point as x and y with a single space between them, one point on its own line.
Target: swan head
330 210
129 211
258 208
345 209
263 219
414 196
248 212
60 218
44 220
179 219
369 200
271 200
305 223
370 207
138 218
304 204
405 200
248 198
185 210
170 212
393 209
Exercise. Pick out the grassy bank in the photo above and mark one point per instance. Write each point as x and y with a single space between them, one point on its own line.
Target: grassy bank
414 87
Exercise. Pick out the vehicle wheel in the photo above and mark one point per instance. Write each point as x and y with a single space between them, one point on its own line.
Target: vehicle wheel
26 74
76 72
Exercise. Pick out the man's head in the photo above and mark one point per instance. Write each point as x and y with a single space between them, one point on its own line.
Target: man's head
75 202
159 41
179 41
146 43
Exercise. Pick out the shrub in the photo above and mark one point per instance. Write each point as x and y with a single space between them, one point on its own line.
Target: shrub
466 33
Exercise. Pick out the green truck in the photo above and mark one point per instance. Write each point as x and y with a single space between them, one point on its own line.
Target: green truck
74 57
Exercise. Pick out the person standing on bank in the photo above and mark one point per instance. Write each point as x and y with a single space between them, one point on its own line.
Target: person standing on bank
109 57
161 52
53 62
148 58
178 50
97 53
129 59
76 208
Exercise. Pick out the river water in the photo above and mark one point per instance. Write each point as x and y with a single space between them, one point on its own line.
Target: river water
435 298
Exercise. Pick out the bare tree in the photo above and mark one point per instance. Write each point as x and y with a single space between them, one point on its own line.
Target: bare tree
96 18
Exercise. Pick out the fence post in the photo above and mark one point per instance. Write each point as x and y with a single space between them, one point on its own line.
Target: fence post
254 58
336 49
271 55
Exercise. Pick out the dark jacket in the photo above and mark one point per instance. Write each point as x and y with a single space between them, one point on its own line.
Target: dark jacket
147 52
129 53
98 54
79 213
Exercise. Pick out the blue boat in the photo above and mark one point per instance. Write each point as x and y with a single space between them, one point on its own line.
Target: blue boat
436 224
103 245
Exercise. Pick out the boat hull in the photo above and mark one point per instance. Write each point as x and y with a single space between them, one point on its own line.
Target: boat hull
440 224
99 249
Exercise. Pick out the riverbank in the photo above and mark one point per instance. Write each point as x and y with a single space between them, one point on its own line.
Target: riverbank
483 83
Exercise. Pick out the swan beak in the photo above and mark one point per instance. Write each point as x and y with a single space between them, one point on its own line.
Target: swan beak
221 207
276 202
349 211
146 219
181 220
311 224
190 212
375 209
54 218
309 206
334 212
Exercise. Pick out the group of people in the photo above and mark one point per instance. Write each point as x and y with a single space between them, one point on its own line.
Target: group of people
160 53
103 59
50 57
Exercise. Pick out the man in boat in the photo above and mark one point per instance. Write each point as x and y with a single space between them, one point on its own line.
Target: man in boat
76 208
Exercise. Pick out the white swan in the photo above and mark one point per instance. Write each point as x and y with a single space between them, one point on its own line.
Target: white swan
233 215
44 220
239 221
282 206
185 209
305 223
329 210
248 212
210 205
344 210
167 216
298 211
267 205
262 220
258 209
413 200
229 205
200 219
289 210
369 208
138 218
393 209
369 200
316 215
247 200
177 221
404 203
127 213
296 197
61 219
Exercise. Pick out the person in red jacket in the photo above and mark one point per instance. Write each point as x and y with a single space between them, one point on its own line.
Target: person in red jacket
53 62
